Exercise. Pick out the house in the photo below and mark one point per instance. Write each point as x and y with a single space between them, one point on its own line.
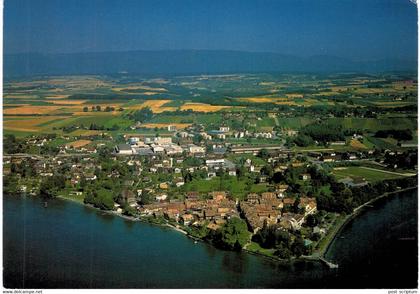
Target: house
192 196
193 149
281 189
161 197
218 195
328 158
232 171
291 221
213 226
162 140
305 177
173 149
338 143
353 182
224 129
133 140
90 177
157 148
128 196
308 204
172 128
187 219
179 182
123 149
289 201
268 195
211 174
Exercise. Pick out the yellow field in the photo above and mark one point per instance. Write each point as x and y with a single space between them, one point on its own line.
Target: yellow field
28 124
154 105
202 107
357 144
69 102
287 102
294 95
262 99
79 143
393 103
57 97
15 105
338 89
30 110
369 90
85 132
164 125
18 96
331 93
146 88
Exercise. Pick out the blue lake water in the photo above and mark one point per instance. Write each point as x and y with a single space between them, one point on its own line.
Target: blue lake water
71 246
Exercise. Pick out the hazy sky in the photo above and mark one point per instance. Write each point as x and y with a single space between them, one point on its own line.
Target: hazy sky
360 29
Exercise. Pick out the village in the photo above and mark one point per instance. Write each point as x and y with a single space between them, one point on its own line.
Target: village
197 185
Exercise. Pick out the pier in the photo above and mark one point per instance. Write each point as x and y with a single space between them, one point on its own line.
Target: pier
328 263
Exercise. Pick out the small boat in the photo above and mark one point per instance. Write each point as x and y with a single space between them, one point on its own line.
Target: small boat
45 204
195 242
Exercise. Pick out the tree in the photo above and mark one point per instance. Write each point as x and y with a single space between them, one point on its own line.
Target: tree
98 108
51 185
141 115
311 221
263 154
298 247
234 234
283 252
104 199
303 140
85 109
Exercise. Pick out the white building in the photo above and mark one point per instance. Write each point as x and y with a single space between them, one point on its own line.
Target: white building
193 149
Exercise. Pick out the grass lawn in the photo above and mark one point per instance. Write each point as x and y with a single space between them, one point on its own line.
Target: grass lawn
259 188
75 198
255 247
236 188
368 174
380 143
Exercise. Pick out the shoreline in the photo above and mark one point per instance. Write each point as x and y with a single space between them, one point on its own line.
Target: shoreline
323 251
317 256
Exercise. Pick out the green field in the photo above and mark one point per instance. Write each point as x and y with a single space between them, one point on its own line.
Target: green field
236 188
363 172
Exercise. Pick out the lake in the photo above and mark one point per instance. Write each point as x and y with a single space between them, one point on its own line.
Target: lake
68 245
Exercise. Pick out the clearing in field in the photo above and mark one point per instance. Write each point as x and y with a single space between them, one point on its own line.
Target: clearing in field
78 143
202 107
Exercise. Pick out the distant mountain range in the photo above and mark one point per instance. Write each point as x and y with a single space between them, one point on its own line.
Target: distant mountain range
188 62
